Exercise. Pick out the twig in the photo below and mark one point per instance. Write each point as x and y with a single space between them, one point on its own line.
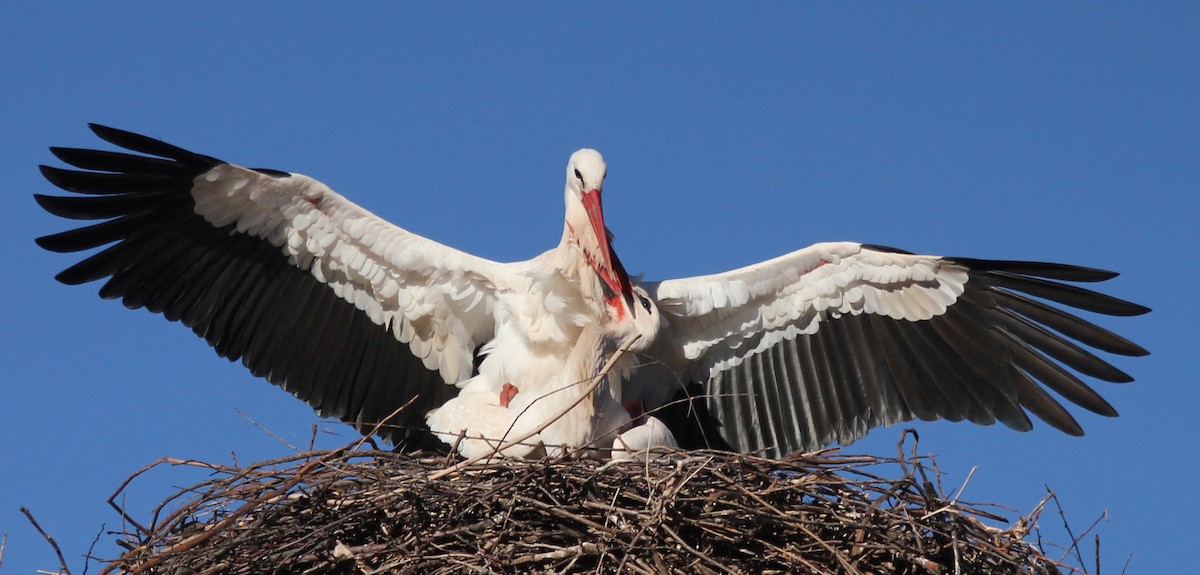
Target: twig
572 551
367 436
953 503
89 556
62 562
1125 567
1066 525
266 431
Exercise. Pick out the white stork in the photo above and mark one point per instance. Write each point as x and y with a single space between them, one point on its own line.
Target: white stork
358 317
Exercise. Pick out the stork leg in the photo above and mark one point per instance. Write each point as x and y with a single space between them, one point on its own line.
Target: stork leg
637 411
507 393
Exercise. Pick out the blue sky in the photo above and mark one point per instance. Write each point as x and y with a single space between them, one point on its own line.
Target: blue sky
1064 132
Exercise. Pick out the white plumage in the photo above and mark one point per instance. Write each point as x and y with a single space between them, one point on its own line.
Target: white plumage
368 322
762 304
477 423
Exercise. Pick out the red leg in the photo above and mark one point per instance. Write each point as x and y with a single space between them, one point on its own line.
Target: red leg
507 393
637 411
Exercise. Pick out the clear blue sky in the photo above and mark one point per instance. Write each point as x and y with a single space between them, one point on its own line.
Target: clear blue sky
1063 132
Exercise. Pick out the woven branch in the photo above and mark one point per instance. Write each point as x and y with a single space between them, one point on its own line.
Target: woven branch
357 512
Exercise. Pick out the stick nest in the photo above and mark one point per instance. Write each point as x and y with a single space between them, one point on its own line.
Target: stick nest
353 511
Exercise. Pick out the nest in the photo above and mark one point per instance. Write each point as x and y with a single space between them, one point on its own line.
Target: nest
356 511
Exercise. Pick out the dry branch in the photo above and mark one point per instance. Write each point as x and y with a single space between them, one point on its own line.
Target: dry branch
349 511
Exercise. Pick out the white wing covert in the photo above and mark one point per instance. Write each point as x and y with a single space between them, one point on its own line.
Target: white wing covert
354 315
822 344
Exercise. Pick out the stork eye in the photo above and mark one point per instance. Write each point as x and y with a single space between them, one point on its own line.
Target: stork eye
579 175
645 303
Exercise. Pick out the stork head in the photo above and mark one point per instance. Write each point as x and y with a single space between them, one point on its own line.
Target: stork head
620 328
585 225
646 321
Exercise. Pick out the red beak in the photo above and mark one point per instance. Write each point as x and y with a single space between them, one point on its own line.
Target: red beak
613 275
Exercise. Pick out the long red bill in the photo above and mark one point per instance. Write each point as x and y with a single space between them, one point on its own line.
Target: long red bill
613 273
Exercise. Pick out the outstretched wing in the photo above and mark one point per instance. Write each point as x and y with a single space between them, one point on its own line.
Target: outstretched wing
828 342
349 313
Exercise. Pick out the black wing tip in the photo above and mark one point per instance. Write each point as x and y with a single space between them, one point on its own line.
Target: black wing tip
66 153
1117 376
1138 309
1057 289
1058 418
58 206
1072 430
1117 307
119 137
47 243
100 130
59 177
273 172
46 202
143 144
68 277
886 249
1135 350
1048 270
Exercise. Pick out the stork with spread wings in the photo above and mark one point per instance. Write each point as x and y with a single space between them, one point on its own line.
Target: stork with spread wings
376 326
